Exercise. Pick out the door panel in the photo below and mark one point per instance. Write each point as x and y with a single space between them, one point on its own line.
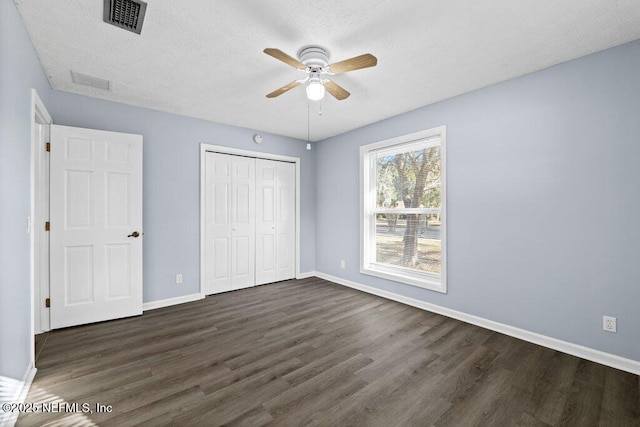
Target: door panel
118 270
285 224
266 221
221 198
118 152
78 275
218 223
79 149
221 257
117 200
96 202
78 189
275 221
241 256
243 222
242 209
268 251
229 222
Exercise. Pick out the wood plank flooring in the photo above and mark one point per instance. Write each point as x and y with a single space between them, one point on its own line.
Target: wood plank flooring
311 352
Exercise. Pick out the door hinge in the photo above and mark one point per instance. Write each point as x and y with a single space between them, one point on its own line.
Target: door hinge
47 226
47 146
47 302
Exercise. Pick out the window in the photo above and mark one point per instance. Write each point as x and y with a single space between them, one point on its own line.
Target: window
403 209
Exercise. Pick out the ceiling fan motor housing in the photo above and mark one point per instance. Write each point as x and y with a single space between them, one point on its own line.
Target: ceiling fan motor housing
314 57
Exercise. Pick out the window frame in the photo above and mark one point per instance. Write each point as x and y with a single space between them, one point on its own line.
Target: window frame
368 199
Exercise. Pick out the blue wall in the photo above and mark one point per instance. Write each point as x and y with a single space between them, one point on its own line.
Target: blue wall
543 195
20 71
171 180
543 200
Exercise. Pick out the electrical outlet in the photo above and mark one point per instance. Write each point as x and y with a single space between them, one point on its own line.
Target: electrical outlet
609 324
343 264
178 278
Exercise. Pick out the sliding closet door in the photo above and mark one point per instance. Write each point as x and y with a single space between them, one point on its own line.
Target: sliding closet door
275 221
286 221
230 222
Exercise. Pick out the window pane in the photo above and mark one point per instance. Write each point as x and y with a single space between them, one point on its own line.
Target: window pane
403 228
409 241
408 179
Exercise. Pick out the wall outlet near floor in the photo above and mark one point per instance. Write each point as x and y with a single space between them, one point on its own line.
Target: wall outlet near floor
343 264
609 324
178 278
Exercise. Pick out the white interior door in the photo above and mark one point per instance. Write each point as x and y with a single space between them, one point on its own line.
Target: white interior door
243 231
286 221
230 222
275 221
218 223
96 225
266 214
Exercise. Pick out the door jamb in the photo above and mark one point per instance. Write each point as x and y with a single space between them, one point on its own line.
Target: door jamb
204 148
39 115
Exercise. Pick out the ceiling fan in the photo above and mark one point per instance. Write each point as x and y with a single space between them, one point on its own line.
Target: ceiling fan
314 61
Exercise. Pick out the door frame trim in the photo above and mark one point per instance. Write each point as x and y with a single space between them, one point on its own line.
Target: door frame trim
204 148
39 115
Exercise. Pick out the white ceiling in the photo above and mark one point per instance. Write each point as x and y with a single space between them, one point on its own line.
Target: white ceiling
203 58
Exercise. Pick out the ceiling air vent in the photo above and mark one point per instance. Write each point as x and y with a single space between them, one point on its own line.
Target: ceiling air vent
84 79
127 14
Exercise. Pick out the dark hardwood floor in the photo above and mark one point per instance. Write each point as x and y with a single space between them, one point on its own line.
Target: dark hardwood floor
312 352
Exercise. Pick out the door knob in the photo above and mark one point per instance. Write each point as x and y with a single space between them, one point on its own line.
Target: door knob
134 234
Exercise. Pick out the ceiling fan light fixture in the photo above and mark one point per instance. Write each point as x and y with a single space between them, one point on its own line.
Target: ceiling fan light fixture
315 91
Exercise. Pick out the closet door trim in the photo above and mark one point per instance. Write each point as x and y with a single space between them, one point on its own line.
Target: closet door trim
204 148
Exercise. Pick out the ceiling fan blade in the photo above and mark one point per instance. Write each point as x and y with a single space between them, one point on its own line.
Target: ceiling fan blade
336 90
285 88
278 54
363 61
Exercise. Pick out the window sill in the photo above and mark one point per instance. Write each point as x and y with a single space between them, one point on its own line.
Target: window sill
424 281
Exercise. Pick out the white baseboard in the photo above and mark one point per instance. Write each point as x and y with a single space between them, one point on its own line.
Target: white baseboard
608 359
20 391
306 275
171 301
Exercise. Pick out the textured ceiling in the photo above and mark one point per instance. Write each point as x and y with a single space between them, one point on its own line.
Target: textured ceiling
203 58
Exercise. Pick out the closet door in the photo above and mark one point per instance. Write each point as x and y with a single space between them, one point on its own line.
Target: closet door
266 195
230 222
218 223
285 221
243 229
275 221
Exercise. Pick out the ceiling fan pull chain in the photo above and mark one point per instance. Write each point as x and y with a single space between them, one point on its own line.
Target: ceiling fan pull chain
308 119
